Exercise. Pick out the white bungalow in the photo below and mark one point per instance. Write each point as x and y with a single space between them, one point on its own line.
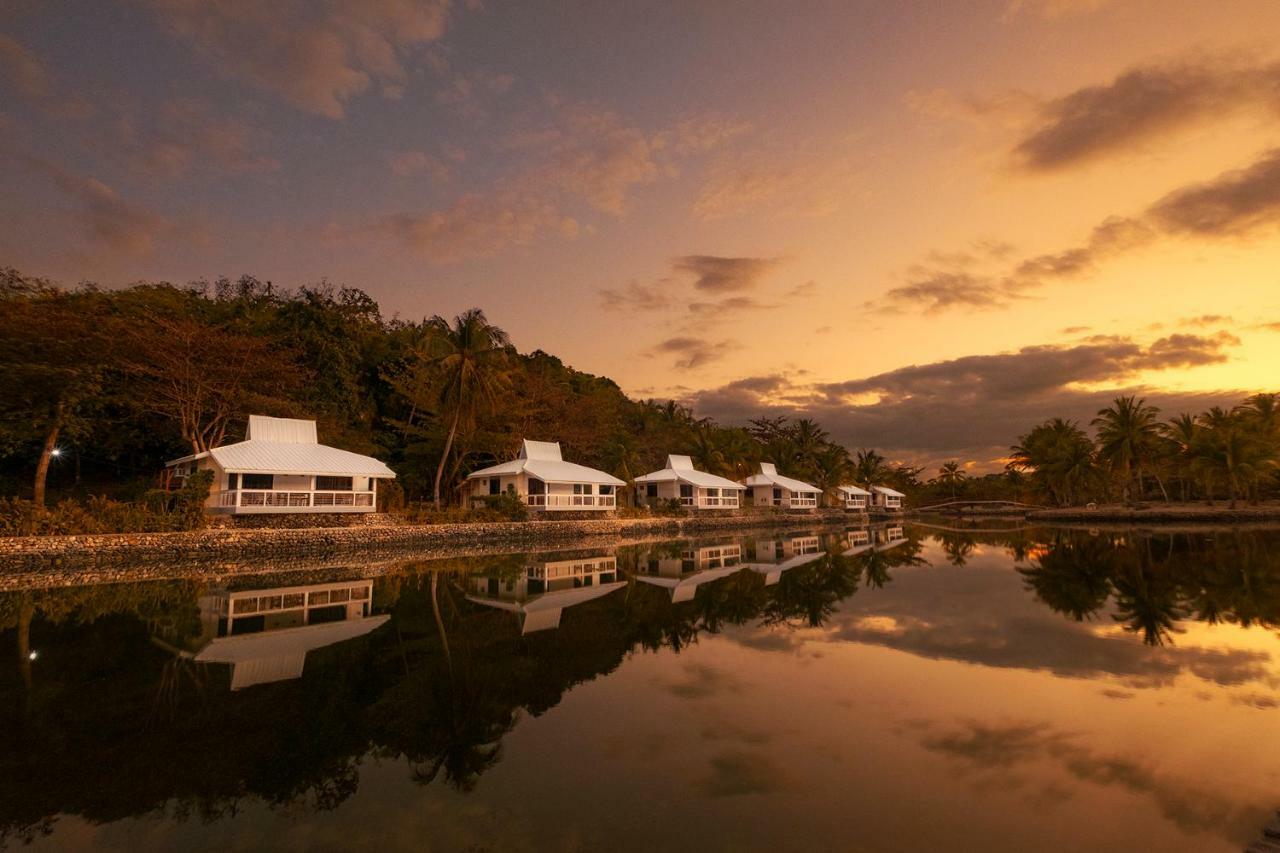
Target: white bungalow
544 481
265 634
539 596
883 497
682 574
769 488
282 467
854 498
692 488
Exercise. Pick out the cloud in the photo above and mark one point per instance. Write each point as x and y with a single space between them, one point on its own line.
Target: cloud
476 225
1052 9
1140 105
724 275
187 133
975 407
1205 320
706 311
690 352
635 296
407 163
316 57
1234 205
107 221
30 77
572 156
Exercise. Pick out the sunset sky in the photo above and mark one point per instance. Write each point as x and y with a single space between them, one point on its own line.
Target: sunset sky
927 224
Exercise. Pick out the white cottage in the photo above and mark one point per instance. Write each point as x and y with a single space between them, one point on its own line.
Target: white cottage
883 497
691 487
544 481
852 497
772 557
769 488
281 467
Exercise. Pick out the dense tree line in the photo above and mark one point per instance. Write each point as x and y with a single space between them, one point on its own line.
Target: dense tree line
99 387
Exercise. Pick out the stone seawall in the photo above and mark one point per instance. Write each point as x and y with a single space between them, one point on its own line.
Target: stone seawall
61 560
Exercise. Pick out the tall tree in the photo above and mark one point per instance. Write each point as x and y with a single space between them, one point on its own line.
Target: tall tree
1128 431
951 474
471 357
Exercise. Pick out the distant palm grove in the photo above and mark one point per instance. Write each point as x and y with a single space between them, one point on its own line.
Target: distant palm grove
99 387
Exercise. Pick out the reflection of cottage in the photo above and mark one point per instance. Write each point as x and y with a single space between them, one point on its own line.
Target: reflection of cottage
683 573
772 557
539 595
281 467
883 497
854 498
265 634
889 537
769 488
857 542
543 480
680 481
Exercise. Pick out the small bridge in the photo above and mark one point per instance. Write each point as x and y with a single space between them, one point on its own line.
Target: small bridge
959 505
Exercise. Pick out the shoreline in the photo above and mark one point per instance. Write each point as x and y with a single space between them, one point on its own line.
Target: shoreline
1159 514
50 561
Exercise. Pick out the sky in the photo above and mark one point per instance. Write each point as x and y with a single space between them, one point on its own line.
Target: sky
927 224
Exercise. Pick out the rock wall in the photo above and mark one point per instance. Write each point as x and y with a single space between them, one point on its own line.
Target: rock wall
59 560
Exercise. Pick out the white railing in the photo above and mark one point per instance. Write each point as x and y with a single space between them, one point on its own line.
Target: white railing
722 502
269 498
855 503
571 501
803 502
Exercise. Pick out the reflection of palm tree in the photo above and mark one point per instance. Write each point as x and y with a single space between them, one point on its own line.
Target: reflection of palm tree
1073 576
1147 600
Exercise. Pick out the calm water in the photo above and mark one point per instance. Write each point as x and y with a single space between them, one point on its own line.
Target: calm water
878 690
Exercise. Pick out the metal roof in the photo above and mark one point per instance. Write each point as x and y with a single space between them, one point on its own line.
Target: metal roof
769 476
272 457
854 490
542 459
885 490
680 468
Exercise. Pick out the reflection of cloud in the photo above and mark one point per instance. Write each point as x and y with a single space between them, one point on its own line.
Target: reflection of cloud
1005 750
701 682
735 774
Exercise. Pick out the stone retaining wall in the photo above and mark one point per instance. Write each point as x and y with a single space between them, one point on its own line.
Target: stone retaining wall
56 560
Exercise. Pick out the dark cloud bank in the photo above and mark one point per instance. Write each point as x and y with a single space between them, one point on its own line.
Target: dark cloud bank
975 407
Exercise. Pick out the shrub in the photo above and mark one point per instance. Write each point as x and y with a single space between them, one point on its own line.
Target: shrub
157 511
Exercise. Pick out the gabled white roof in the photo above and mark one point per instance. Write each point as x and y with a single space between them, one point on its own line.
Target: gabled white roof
542 459
289 447
680 469
854 490
885 490
542 611
769 476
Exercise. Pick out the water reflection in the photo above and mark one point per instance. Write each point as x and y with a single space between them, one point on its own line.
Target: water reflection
183 698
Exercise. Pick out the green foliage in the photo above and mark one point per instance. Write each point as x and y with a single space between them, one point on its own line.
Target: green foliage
158 511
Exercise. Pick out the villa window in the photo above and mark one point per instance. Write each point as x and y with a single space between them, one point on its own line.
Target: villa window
333 484
258 481
233 482
606 490
651 490
686 491
495 486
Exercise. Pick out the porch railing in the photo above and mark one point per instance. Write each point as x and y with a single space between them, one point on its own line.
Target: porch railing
799 501
266 498
571 501
722 502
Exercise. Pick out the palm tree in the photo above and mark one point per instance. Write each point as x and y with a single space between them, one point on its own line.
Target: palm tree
830 467
869 468
1127 434
1230 447
951 473
470 356
1181 433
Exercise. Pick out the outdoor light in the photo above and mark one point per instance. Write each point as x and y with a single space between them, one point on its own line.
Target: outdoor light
33 655
57 451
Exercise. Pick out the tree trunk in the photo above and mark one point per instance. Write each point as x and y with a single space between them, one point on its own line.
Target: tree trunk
46 454
448 445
